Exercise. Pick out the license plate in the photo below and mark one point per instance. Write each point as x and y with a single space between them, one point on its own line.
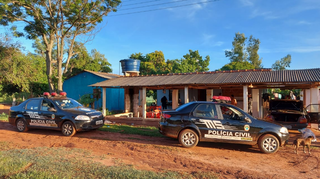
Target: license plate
99 122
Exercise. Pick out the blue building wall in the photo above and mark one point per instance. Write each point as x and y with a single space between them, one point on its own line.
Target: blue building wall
78 85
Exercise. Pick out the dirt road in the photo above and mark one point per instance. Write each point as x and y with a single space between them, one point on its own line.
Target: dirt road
160 154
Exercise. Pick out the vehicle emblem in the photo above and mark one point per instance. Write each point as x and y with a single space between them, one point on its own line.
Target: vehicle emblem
53 116
246 127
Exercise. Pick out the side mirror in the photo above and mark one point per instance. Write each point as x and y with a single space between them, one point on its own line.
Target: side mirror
52 110
247 119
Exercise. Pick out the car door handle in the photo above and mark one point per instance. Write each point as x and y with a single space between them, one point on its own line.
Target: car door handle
196 120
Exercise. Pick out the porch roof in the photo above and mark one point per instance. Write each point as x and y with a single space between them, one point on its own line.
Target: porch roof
259 77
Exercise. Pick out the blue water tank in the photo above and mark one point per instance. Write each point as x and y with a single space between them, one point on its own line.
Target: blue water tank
130 65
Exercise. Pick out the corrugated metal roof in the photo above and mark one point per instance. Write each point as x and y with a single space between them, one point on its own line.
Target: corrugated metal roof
218 77
103 74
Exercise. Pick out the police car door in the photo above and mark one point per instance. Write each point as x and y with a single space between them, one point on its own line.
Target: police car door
206 119
236 129
31 112
47 114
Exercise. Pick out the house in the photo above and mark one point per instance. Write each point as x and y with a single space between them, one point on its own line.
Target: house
78 85
203 85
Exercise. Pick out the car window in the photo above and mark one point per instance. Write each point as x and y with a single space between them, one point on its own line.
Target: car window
185 107
205 110
46 105
229 112
33 104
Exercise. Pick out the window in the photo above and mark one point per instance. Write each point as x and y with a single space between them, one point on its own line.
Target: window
46 105
33 104
230 113
205 110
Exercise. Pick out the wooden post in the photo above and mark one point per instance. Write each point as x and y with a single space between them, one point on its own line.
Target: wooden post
186 94
144 102
104 94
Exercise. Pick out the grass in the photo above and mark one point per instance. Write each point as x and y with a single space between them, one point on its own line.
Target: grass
67 163
4 117
126 129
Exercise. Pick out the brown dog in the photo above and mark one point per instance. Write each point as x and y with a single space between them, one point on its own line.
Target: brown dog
303 142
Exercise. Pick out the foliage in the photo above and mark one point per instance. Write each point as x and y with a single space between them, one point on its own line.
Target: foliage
95 61
193 62
244 53
252 49
20 97
237 53
86 99
154 63
139 130
283 63
4 117
58 24
20 72
238 66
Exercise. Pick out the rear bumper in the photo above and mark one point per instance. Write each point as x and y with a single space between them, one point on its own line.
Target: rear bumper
166 131
12 120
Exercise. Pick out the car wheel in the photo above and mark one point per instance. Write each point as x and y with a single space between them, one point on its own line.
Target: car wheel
188 138
268 144
68 129
21 125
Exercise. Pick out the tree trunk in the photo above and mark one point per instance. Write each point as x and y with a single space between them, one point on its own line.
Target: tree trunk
60 74
49 70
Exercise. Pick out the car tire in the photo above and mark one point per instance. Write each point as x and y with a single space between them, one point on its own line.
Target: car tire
268 144
188 138
21 125
68 129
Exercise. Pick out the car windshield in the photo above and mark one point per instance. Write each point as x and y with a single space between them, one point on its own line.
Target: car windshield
67 103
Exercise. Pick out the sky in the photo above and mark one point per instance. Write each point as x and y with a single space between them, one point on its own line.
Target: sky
177 26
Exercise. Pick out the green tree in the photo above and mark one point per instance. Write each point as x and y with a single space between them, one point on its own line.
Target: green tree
252 49
152 63
20 72
238 66
155 63
244 50
193 62
237 53
94 61
283 63
56 22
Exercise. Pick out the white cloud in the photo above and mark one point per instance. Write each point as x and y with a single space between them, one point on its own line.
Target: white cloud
265 14
303 49
190 10
304 23
208 40
246 2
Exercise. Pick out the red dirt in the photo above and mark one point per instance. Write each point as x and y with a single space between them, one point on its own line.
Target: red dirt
161 154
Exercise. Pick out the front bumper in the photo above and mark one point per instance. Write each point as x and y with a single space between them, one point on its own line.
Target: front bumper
284 138
89 125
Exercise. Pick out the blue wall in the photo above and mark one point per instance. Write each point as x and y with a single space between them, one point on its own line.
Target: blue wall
78 85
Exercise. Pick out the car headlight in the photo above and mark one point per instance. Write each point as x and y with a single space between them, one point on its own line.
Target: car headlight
284 130
82 118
